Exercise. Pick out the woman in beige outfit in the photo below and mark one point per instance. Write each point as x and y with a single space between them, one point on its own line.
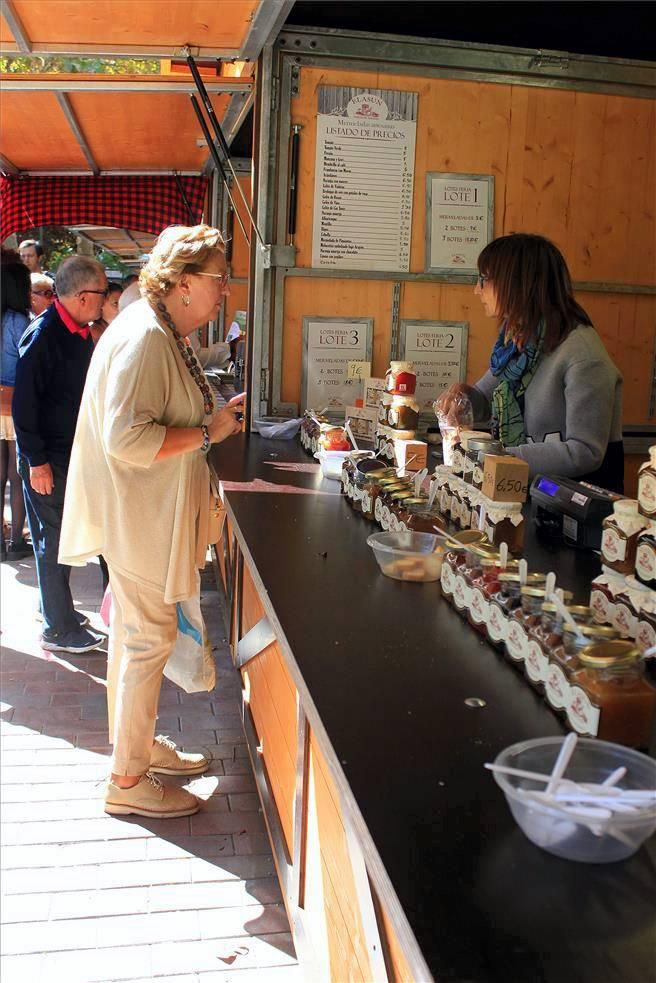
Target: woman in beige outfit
138 493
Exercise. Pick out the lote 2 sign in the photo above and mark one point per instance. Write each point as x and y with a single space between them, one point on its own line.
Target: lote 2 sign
336 359
439 352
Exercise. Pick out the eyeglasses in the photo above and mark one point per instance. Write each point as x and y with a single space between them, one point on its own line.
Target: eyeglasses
482 279
44 293
223 277
104 293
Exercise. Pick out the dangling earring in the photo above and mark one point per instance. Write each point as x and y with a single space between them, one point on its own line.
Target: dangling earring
186 300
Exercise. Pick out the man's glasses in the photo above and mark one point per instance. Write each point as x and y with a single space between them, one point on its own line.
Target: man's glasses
482 279
44 293
223 277
104 293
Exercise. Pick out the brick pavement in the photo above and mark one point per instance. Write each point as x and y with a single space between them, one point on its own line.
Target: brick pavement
88 898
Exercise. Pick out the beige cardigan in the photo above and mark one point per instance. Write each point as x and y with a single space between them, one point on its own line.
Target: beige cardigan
147 518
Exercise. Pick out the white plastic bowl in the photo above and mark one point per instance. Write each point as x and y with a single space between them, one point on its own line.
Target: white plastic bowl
331 463
408 555
554 830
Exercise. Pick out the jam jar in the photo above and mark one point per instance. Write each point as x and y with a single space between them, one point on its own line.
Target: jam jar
484 583
523 619
386 498
396 501
610 697
504 523
619 537
381 488
505 601
467 572
547 635
455 557
374 483
603 591
384 408
647 485
645 636
467 500
645 565
627 607
401 379
457 487
361 482
422 519
404 413
349 466
443 477
564 659
474 447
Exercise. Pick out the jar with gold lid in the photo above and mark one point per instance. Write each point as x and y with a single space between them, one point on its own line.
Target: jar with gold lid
524 618
386 498
564 659
397 501
609 696
475 552
505 600
547 635
454 557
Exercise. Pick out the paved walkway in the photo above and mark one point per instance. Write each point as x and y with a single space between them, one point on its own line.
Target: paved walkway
90 898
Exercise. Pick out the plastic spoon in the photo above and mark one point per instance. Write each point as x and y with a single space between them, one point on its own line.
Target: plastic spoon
503 556
523 572
567 618
566 752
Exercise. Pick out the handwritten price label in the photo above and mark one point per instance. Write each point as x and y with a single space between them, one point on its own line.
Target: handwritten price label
359 370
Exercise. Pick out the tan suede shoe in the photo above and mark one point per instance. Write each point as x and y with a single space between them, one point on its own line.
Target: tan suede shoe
165 759
151 799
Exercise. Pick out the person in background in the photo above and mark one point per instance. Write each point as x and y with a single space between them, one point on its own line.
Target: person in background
129 280
43 293
15 288
552 390
146 423
108 313
31 253
55 353
129 295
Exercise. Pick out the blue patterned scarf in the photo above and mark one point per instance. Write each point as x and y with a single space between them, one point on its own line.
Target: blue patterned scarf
515 369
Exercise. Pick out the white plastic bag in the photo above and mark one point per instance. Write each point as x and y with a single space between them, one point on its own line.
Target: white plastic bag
278 429
191 664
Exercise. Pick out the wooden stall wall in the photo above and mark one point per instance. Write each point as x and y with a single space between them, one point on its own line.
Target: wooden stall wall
574 166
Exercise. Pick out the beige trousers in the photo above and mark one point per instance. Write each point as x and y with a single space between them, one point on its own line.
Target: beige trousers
142 635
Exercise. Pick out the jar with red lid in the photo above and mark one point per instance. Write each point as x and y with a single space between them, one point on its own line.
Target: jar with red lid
454 557
564 659
619 536
645 564
546 636
401 379
610 697
523 619
647 485
505 601
467 572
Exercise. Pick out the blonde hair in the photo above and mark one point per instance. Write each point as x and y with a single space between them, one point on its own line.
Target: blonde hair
179 249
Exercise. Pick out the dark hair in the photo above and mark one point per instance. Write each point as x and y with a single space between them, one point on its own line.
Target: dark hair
532 284
15 283
114 288
130 278
27 243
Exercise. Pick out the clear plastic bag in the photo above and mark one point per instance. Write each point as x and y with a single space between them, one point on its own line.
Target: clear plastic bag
277 429
454 413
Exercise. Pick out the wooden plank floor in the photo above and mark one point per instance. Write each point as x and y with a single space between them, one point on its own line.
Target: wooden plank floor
88 897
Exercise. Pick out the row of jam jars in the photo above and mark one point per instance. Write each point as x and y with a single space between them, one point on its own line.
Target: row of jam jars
619 536
546 635
348 470
475 552
505 601
485 584
564 659
523 619
415 515
390 520
385 497
381 490
454 557
360 482
372 484
609 696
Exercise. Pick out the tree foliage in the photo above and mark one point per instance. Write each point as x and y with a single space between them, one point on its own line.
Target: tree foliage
52 65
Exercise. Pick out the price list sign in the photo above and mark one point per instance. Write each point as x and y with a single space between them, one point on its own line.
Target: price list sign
364 179
439 352
333 349
459 220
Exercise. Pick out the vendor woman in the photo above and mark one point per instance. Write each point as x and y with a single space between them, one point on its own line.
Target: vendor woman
552 391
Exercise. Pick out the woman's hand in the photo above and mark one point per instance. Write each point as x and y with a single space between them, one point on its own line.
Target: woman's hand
224 424
455 404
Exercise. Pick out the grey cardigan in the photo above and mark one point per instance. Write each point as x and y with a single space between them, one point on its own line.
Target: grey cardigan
572 407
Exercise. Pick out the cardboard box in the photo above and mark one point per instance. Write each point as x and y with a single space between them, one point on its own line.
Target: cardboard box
405 450
373 389
363 421
505 479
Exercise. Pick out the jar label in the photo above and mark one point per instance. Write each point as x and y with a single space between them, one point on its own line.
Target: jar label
582 714
516 640
465 516
647 494
461 593
445 500
602 607
475 519
393 522
446 579
645 635
378 511
366 502
385 518
613 546
624 621
497 623
537 663
458 460
402 527
556 687
477 477
478 607
357 493
646 562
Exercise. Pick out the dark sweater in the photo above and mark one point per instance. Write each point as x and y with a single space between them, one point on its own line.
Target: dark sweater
50 377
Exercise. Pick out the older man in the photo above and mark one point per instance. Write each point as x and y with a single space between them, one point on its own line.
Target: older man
54 357
43 293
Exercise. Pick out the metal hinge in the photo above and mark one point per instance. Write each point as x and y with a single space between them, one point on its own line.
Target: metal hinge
540 60
275 86
264 384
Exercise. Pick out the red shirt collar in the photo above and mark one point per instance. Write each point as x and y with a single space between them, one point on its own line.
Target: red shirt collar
72 325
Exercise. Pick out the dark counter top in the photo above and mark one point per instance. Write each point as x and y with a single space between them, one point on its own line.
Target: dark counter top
388 667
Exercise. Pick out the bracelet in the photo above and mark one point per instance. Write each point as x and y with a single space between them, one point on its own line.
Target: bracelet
205 446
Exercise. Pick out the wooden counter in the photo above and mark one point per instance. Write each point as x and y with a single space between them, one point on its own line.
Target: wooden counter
397 853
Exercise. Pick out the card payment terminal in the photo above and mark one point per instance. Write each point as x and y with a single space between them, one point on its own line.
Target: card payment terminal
572 511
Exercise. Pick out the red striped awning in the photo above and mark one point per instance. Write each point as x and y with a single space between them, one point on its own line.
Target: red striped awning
147 204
